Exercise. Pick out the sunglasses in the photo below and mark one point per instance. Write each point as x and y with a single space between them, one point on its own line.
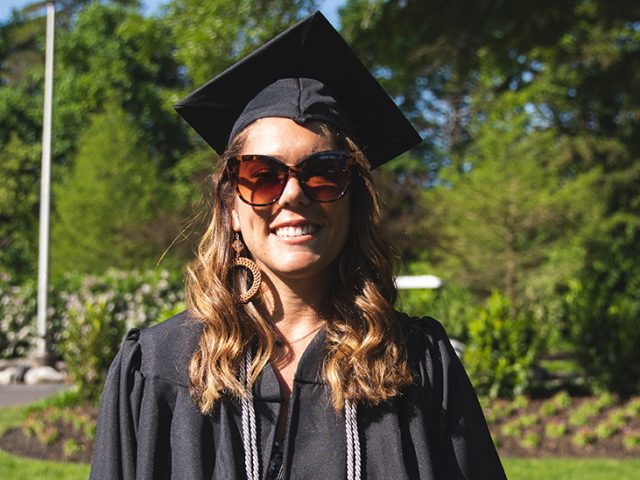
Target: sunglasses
260 179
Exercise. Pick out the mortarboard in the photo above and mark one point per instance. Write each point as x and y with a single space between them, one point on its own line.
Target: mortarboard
307 72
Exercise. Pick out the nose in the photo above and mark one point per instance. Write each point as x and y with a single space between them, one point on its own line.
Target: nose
293 194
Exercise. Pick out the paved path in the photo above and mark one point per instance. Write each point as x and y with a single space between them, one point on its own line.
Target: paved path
20 394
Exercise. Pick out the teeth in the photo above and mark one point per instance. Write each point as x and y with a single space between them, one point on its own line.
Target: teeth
296 231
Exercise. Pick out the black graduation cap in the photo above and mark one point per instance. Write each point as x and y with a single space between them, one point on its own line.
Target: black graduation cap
307 72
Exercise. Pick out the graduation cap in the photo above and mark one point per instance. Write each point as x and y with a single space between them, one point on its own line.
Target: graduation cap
306 73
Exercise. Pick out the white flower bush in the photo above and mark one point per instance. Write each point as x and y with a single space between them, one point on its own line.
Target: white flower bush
126 299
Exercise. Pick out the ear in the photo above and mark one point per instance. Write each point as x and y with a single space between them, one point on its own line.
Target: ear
235 220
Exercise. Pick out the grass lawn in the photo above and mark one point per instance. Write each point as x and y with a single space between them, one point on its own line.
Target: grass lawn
10 417
517 469
15 468
571 469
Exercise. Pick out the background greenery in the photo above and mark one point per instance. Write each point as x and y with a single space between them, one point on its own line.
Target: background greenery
524 196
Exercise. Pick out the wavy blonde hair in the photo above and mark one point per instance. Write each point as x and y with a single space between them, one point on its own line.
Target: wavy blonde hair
366 359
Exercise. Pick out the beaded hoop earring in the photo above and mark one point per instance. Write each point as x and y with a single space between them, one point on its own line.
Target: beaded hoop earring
249 264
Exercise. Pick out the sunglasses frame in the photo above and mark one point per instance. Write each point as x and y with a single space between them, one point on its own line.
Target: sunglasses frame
233 165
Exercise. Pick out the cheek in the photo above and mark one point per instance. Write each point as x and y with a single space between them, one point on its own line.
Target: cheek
248 219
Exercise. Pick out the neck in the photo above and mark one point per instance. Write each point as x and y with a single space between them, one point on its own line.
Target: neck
296 308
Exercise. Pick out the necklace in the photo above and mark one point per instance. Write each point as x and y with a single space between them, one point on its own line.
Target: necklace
280 341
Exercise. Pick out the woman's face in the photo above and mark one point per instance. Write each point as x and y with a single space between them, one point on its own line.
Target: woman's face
295 238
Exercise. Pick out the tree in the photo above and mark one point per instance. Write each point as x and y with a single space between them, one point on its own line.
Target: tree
432 57
19 201
102 210
507 216
210 35
115 51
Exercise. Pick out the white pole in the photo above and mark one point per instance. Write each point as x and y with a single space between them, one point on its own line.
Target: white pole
45 182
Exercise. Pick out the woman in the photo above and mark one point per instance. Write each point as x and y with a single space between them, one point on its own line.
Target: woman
291 362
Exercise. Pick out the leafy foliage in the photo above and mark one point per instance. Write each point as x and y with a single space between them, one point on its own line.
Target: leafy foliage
453 306
19 204
103 207
133 299
502 349
17 317
604 309
232 29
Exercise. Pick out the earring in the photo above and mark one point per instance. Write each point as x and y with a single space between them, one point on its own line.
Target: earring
249 264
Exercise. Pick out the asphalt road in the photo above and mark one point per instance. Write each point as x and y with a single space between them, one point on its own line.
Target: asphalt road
20 394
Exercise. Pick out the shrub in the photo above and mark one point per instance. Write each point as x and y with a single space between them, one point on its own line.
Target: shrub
617 417
584 412
528 420
605 400
454 306
606 429
633 407
561 400
502 350
631 440
604 308
555 429
584 437
511 429
520 402
133 298
91 340
17 317
101 310
531 440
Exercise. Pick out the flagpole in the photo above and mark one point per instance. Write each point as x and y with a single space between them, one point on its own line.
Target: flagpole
45 188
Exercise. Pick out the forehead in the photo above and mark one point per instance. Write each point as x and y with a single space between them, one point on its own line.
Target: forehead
286 139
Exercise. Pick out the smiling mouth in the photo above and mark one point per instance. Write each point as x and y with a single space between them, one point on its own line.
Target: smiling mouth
298 231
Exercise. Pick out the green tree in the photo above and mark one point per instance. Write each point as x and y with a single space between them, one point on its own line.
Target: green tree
111 50
104 209
507 216
212 34
432 57
19 202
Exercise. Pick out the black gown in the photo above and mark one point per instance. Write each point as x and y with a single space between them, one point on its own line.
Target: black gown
149 427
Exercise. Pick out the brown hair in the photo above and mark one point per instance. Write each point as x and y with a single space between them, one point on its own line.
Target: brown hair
366 360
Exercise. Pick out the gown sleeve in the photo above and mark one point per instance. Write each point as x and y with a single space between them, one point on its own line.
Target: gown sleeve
115 444
464 444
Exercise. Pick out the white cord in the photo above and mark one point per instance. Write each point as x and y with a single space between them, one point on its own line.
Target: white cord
353 441
249 436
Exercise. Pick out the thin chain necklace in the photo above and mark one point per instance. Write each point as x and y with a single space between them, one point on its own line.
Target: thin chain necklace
280 340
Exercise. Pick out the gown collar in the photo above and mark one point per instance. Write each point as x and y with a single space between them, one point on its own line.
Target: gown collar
309 370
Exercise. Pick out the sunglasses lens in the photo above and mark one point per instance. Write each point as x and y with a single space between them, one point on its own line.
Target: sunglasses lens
326 176
260 180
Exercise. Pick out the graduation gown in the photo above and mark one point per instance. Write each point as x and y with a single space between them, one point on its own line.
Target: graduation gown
150 428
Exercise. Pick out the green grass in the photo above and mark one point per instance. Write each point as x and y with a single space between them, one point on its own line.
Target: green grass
517 469
11 417
17 468
570 469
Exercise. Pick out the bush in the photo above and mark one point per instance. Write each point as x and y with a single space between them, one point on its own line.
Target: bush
604 310
454 306
501 352
18 330
98 314
132 299
606 336
91 340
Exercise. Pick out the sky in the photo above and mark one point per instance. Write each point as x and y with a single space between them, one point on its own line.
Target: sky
328 7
